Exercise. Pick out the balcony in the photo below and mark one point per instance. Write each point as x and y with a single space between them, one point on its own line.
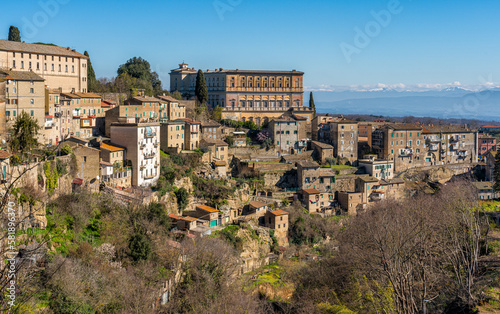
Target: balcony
454 139
150 134
142 167
149 155
405 153
454 146
433 147
149 176
50 125
462 154
142 145
156 144
434 139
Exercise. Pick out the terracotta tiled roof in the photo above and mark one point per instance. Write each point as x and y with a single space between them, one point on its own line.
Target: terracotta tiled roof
311 191
174 216
22 75
445 129
323 145
41 49
308 164
279 212
87 95
168 98
4 154
189 218
207 208
490 127
111 147
257 204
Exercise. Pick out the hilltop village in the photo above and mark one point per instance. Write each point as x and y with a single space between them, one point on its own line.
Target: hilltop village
234 164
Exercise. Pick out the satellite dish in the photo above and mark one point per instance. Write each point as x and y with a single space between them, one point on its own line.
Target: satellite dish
3 141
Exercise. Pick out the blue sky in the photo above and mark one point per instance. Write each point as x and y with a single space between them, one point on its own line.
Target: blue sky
425 42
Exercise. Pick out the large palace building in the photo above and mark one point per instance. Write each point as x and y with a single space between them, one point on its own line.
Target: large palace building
245 95
62 68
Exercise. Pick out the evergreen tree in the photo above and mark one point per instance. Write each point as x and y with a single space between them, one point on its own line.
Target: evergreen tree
496 172
201 90
311 102
14 34
24 134
91 80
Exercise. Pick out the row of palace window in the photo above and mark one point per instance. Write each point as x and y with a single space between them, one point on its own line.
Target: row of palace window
44 57
44 66
265 104
250 82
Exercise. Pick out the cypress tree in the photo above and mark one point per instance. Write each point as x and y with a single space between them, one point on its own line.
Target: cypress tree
91 79
496 173
14 34
201 90
311 101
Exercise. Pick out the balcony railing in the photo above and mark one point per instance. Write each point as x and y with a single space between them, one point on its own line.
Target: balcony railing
433 147
454 146
150 134
149 176
142 167
454 139
142 146
156 144
150 155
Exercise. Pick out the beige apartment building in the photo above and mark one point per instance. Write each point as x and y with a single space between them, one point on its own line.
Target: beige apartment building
172 136
24 91
142 143
3 127
289 134
115 170
61 67
344 138
380 169
450 144
401 143
171 108
143 109
245 95
192 133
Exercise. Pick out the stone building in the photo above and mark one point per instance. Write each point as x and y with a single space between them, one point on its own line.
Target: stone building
24 91
314 200
61 67
404 144
344 138
210 130
486 143
87 164
450 144
318 124
172 136
3 127
351 202
171 108
246 95
278 220
322 151
288 134
380 169
308 174
191 133
142 143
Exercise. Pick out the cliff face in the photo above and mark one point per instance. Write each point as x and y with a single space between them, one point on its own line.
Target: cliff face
439 174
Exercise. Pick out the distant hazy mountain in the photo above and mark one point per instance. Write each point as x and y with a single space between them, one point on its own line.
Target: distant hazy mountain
448 103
